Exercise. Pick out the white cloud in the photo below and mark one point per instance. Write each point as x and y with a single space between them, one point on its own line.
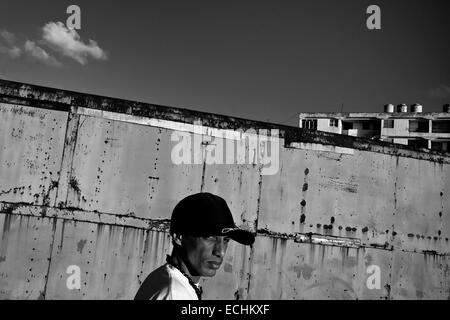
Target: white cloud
56 38
8 45
8 36
69 43
40 54
440 92
13 52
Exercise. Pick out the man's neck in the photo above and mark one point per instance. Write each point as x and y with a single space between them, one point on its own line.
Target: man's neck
182 265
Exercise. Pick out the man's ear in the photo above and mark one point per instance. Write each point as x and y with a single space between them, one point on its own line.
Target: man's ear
177 238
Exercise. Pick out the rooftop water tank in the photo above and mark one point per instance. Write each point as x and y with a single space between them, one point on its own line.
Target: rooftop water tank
402 108
417 108
389 108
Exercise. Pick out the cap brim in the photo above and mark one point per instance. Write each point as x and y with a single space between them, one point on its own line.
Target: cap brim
240 235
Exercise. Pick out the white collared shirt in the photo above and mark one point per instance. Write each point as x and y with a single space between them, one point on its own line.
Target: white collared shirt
166 283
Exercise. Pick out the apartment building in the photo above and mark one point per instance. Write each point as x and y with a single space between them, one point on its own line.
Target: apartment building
402 125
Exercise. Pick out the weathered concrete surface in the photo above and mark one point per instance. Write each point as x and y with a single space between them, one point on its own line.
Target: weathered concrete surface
89 181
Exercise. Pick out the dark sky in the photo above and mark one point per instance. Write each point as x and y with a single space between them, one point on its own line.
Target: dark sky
263 60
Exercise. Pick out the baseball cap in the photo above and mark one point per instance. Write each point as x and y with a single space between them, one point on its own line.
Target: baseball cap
206 214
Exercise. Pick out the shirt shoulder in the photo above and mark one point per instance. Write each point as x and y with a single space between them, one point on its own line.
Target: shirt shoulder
181 289
166 283
156 286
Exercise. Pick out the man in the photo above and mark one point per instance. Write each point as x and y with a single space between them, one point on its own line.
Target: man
201 227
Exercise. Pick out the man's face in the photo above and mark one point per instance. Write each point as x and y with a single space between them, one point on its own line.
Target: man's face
205 254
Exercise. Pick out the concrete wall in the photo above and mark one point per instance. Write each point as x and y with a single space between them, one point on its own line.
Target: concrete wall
89 181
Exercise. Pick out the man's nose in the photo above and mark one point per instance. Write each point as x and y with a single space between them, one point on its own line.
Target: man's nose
220 248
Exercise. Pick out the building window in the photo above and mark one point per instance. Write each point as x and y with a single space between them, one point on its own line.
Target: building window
366 125
334 123
436 146
440 126
347 125
309 124
420 143
388 124
418 126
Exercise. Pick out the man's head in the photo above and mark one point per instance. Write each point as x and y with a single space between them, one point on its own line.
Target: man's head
201 227
203 256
